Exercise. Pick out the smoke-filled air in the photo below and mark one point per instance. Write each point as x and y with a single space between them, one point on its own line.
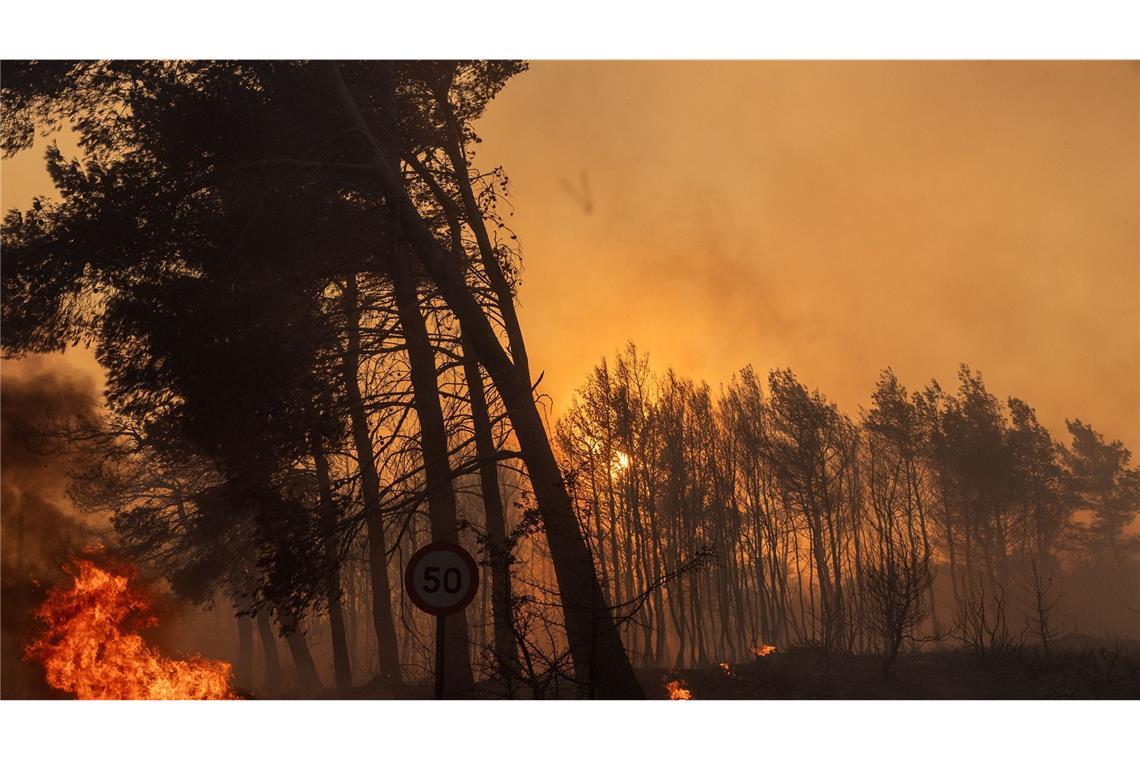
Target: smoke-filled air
570 380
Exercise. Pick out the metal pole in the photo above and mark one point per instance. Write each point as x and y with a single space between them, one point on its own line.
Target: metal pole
439 626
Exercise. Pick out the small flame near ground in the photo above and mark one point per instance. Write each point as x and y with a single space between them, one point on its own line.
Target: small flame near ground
727 670
89 648
763 650
678 689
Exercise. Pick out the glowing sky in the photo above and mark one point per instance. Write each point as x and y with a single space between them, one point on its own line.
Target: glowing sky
832 217
836 218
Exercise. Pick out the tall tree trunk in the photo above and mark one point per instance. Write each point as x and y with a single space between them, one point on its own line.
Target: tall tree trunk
915 480
619 568
822 568
269 648
758 562
948 516
342 670
303 664
442 512
590 629
498 550
243 667
660 641
382 619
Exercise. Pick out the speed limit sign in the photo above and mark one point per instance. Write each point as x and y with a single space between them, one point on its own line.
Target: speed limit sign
441 578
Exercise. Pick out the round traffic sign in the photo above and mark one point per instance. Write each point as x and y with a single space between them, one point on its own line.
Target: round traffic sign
441 578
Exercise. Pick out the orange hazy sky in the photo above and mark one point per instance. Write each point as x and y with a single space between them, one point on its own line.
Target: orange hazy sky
834 217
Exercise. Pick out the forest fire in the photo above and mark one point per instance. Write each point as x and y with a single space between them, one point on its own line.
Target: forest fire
89 650
677 689
295 359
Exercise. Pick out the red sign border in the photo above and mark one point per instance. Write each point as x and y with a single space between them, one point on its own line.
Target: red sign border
413 593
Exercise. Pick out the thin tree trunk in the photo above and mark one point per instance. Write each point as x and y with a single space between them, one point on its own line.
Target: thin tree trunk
342 669
243 667
303 664
269 648
659 592
915 479
382 620
498 550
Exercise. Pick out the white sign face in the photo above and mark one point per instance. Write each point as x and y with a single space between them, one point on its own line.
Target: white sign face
441 578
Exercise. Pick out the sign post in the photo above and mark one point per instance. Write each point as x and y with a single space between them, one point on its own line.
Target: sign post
441 579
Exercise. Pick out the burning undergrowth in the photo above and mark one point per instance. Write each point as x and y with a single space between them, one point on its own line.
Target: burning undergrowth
677 689
90 646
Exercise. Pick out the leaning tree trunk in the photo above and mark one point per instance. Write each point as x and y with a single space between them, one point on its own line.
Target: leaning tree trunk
442 512
595 646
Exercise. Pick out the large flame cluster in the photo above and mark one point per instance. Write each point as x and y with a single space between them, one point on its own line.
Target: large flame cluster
89 649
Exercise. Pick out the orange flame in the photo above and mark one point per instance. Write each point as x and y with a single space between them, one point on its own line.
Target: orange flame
87 651
727 670
763 650
678 690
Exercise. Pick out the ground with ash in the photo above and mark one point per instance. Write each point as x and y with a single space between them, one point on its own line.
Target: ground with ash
89 646
1079 669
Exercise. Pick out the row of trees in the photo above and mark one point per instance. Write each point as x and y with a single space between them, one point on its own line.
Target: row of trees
303 295
923 519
